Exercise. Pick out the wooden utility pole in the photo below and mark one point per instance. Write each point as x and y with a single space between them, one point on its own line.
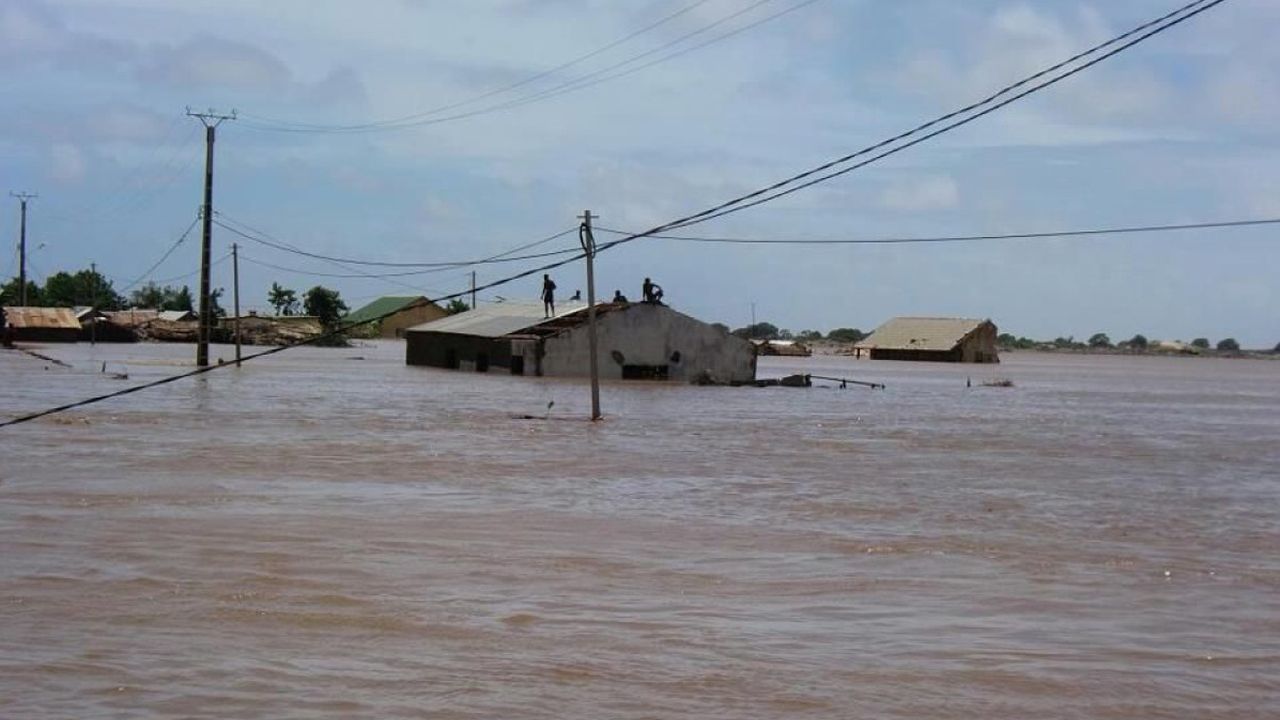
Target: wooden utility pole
23 197
235 275
473 289
211 121
93 306
589 247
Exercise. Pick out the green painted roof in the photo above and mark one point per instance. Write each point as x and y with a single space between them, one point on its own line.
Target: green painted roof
382 306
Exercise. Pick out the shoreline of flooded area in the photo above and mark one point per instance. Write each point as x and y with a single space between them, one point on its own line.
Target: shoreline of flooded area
332 533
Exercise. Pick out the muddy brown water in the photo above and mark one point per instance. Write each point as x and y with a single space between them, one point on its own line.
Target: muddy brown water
331 534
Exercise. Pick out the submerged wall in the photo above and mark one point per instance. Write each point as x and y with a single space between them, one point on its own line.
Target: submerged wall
645 341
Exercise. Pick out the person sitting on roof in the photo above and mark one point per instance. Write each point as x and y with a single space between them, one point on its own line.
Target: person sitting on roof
652 292
577 295
618 297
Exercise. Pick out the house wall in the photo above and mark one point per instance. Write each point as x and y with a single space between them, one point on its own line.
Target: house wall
647 335
455 352
395 326
980 345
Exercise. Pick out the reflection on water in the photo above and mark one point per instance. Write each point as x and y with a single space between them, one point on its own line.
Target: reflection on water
329 533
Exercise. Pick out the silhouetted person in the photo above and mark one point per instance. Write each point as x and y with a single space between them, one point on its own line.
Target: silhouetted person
577 295
652 291
618 297
548 296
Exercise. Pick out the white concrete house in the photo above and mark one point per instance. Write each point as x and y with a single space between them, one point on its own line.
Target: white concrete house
635 341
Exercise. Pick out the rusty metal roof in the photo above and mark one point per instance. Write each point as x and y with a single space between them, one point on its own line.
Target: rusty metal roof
921 333
42 317
496 320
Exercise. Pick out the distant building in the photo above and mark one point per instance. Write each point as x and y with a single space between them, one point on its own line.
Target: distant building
787 348
635 341
405 312
42 324
932 339
177 315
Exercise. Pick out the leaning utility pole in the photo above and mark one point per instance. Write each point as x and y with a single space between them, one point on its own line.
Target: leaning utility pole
589 248
211 121
235 274
23 197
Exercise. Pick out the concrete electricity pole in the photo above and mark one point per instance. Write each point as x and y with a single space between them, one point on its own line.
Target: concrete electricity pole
93 306
473 289
235 274
589 247
211 121
23 197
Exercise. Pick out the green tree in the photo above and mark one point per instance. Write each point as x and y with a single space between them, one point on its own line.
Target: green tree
284 300
150 295
85 287
1202 343
325 305
759 331
1228 345
456 306
10 294
846 335
1100 340
809 335
178 299
1138 342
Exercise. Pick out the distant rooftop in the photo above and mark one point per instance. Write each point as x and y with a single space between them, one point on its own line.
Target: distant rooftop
497 319
383 306
921 333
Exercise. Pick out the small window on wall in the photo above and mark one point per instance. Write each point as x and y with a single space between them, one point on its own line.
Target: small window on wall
644 372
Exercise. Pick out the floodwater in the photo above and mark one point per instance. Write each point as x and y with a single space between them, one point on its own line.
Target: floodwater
327 533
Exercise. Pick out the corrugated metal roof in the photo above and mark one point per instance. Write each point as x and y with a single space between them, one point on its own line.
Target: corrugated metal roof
495 320
921 333
41 317
383 306
176 315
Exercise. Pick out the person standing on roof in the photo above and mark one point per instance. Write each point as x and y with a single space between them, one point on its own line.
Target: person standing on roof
548 296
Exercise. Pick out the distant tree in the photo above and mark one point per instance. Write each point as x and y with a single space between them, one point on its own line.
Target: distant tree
1202 343
284 300
456 306
808 335
721 327
150 295
179 299
325 305
1228 345
85 287
759 331
1138 342
785 334
1100 340
1067 343
10 294
846 335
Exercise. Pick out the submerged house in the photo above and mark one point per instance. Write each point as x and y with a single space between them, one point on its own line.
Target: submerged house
42 324
402 313
635 341
932 339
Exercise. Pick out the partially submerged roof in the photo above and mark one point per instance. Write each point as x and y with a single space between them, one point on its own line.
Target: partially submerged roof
132 318
384 306
176 315
921 333
41 317
496 320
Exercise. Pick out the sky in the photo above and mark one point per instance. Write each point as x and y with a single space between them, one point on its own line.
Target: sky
1178 129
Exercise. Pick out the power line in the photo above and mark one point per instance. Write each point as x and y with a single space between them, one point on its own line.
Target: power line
263 238
959 238
406 273
181 238
309 273
579 83
484 96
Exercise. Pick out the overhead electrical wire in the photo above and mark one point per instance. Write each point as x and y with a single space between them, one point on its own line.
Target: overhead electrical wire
748 200
497 91
958 238
181 238
572 85
262 238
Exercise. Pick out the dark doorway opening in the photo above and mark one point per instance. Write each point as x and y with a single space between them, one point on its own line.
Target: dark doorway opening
517 364
644 372
482 362
451 359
